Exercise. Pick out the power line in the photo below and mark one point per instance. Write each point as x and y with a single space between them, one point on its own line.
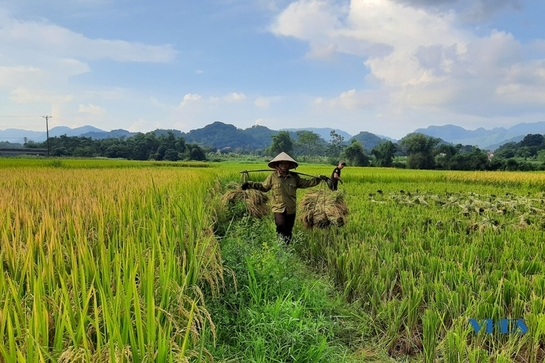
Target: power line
47 130
2 116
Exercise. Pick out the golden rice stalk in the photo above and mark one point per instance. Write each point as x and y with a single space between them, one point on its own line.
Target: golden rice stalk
323 209
254 200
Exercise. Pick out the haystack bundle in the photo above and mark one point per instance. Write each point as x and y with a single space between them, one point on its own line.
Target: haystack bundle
323 209
254 200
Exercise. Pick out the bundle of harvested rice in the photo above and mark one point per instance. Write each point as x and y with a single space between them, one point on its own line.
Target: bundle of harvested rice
323 209
255 201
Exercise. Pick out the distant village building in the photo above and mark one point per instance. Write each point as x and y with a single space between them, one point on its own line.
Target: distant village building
490 155
224 150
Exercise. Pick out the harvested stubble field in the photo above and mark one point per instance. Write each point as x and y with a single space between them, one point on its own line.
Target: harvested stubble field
425 251
110 263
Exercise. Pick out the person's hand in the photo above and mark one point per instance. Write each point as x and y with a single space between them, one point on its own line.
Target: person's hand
341 181
245 186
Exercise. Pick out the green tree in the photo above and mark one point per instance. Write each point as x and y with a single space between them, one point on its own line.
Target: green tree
142 146
354 154
420 150
281 142
384 153
335 147
532 140
507 150
478 160
541 155
171 155
308 143
195 152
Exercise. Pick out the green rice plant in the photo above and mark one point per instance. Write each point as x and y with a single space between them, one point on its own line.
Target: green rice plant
106 265
431 323
455 349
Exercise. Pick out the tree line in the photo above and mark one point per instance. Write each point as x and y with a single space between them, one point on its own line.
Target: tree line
142 146
414 151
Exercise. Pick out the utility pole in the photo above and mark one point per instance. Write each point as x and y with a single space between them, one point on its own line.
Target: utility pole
47 131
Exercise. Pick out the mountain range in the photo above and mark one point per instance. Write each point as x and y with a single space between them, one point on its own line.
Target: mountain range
484 139
220 135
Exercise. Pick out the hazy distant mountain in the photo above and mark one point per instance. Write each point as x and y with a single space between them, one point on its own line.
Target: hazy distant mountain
18 135
484 139
78 131
514 139
99 135
324 132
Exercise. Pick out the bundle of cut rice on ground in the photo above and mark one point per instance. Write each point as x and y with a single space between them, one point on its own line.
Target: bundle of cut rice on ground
254 200
323 209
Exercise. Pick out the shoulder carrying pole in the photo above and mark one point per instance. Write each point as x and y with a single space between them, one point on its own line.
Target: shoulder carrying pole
245 172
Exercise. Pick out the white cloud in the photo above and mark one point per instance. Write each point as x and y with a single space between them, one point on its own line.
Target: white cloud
53 40
142 124
211 101
349 100
17 75
262 102
91 109
24 95
325 51
307 19
265 102
155 102
190 98
422 58
235 97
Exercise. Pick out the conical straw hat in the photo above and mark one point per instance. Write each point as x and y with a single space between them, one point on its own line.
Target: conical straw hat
283 157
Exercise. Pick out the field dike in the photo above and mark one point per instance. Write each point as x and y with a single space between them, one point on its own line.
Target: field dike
274 307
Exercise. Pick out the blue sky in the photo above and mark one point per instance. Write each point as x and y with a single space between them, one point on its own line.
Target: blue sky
382 66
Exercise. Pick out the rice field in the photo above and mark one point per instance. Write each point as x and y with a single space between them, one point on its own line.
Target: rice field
424 252
105 265
113 261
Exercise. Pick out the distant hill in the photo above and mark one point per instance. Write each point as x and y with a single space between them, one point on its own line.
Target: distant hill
219 135
369 140
99 135
484 139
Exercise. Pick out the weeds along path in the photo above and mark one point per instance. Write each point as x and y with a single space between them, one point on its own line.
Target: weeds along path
104 263
431 257
273 308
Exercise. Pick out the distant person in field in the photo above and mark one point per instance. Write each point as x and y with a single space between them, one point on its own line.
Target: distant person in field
336 176
284 185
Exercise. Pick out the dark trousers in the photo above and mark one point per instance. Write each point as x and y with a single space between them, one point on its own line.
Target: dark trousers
284 225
